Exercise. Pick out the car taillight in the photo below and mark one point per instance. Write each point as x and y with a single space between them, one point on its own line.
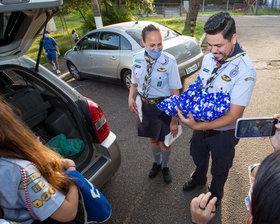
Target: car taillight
98 119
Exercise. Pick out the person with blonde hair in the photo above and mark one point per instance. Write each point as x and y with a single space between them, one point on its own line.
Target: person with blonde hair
33 185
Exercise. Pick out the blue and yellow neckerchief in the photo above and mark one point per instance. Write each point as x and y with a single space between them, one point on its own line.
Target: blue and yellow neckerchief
148 76
238 51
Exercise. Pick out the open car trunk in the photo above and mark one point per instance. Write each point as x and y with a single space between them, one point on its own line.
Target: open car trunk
45 111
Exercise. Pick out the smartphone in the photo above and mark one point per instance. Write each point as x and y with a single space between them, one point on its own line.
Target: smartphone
255 127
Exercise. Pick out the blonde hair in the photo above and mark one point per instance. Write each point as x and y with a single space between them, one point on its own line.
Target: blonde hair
19 142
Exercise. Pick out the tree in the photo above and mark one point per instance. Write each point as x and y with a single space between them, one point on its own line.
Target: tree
191 15
143 6
96 13
77 6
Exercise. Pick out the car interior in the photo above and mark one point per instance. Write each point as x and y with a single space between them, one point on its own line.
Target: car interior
41 109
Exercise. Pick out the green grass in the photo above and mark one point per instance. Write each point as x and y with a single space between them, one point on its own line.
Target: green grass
178 24
62 37
260 12
65 41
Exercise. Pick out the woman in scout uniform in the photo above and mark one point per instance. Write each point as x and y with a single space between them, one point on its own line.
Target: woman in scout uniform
155 76
33 186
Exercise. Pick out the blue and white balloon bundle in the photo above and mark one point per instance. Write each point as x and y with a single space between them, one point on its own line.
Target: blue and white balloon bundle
204 106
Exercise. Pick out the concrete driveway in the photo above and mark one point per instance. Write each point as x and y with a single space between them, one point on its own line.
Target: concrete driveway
136 199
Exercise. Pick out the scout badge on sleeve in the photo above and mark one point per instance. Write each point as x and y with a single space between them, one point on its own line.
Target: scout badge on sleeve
204 106
96 207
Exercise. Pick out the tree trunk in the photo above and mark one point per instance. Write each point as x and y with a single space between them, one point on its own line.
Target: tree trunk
81 13
97 14
118 3
192 14
106 7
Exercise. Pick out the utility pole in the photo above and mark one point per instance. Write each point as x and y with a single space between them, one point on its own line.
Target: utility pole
97 14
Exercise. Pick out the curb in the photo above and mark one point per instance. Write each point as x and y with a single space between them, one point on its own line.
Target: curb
65 76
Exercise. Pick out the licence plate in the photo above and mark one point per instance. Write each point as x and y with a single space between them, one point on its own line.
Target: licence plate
191 69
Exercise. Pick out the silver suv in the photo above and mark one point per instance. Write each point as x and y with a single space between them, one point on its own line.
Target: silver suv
48 105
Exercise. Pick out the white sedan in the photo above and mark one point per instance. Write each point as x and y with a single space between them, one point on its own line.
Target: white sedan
107 52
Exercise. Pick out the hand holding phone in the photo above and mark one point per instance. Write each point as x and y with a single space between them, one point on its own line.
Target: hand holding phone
255 127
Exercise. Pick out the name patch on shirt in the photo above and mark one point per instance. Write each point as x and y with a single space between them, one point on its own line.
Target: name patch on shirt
137 66
39 186
162 69
205 70
249 79
226 78
30 179
137 61
233 72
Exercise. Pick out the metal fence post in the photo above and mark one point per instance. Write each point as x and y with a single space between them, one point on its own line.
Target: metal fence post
203 5
272 4
257 4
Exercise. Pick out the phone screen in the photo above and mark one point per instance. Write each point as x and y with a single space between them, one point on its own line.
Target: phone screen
255 127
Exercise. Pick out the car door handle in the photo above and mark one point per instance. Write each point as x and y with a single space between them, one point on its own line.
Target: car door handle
113 58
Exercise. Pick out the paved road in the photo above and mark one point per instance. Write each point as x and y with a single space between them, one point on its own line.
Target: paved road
136 199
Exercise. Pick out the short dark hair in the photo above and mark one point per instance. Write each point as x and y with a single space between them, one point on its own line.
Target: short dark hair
221 22
266 191
147 29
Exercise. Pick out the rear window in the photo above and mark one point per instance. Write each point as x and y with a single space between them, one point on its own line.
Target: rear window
136 35
10 23
166 33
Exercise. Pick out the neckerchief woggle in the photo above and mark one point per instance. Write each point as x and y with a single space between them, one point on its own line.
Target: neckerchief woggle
238 51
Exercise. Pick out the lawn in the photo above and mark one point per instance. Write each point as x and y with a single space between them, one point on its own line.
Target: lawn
62 37
260 12
65 41
178 24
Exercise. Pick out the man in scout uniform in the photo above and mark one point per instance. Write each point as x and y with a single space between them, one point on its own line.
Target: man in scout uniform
226 67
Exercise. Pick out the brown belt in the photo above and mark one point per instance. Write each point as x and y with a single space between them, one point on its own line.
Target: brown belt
153 100
219 132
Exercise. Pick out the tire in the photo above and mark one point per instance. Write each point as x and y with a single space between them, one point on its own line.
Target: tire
126 78
74 71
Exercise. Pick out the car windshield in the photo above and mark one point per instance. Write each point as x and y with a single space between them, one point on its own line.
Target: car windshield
167 34
9 25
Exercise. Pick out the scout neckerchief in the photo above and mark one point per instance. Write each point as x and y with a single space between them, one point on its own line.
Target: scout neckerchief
238 51
148 76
